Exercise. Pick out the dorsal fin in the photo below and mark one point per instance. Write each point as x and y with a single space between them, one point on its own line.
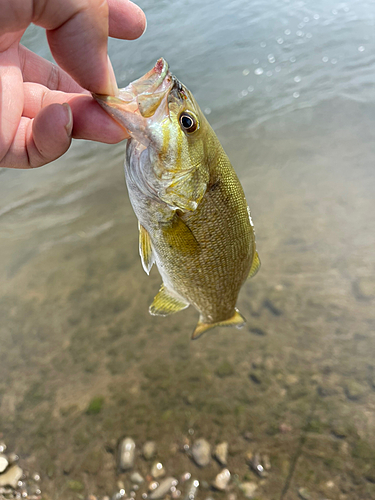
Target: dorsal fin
255 266
145 249
165 303
236 320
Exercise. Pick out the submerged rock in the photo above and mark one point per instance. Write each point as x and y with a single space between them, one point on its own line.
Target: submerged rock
221 453
221 481
3 463
249 489
126 455
136 478
163 488
255 462
201 451
149 450
304 494
11 476
157 470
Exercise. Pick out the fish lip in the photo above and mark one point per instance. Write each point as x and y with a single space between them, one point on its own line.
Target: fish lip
156 82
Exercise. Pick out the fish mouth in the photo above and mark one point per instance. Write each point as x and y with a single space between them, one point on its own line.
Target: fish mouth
142 99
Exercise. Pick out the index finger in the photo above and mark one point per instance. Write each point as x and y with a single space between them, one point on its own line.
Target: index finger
77 32
79 43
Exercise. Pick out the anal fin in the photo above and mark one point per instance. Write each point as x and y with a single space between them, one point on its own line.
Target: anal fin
145 249
236 320
255 266
165 303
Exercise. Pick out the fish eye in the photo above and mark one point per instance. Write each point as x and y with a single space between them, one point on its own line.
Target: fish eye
188 122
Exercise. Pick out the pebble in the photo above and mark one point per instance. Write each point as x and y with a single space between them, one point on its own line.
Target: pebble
266 462
149 450
163 488
157 470
185 477
256 465
11 476
221 481
249 489
192 491
201 451
221 453
126 454
136 478
3 463
304 494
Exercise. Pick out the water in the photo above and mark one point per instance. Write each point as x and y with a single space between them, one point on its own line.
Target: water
288 87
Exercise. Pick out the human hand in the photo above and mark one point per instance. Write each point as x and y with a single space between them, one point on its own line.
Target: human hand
42 105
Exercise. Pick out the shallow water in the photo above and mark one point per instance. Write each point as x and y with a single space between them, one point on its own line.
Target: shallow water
287 87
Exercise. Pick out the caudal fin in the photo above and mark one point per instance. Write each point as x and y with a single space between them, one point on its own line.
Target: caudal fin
236 320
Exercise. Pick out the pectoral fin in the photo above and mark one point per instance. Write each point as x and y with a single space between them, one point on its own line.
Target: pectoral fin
179 236
236 320
255 266
145 249
165 303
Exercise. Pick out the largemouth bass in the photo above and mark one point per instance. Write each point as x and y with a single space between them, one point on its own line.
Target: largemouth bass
194 222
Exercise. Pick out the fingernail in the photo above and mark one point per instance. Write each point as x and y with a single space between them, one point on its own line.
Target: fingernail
69 124
112 79
144 31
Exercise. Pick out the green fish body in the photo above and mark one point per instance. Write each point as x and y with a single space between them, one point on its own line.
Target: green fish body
194 221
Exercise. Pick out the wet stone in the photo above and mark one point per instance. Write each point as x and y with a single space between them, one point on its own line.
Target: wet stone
201 451
11 476
126 454
249 489
157 470
192 490
304 494
256 464
221 481
163 488
258 331
354 391
136 478
3 463
364 289
266 462
149 450
221 453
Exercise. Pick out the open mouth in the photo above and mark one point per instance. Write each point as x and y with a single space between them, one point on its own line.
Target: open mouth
143 96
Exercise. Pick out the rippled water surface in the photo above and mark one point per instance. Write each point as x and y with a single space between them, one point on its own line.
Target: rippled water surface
288 87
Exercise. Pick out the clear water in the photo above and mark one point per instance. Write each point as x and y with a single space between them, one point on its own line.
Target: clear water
288 87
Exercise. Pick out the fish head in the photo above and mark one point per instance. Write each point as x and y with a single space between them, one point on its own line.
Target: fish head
160 113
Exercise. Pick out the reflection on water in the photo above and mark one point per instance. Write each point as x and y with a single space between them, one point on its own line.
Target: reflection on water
288 88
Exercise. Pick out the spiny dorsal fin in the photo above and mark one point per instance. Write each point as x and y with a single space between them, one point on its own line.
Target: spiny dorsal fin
236 320
255 266
145 249
165 303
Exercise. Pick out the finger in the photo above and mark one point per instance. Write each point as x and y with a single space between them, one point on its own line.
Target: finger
11 97
41 140
90 121
37 69
126 20
79 45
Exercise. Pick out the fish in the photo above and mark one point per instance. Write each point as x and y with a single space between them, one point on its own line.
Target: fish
194 221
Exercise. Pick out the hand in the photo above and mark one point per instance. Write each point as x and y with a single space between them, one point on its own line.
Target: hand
42 105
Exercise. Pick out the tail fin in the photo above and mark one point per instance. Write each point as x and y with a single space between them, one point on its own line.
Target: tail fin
236 320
